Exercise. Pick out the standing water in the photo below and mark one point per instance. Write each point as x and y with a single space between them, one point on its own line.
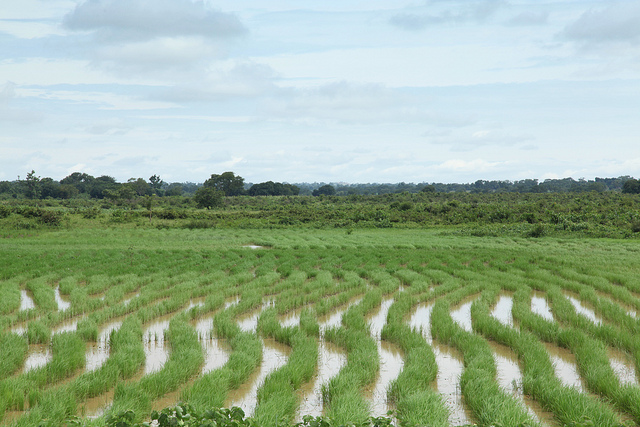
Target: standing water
450 367
391 362
274 356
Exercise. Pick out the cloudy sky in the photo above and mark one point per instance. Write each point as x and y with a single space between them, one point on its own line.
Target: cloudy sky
308 91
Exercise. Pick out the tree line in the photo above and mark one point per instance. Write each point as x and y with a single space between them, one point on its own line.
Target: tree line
210 193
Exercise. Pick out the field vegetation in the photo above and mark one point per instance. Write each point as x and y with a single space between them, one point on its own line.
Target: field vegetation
78 278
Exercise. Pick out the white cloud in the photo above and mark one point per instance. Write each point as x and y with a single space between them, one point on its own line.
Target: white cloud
618 22
10 114
454 12
530 17
475 165
146 19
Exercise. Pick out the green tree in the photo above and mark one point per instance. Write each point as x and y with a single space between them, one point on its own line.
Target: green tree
102 183
325 190
208 197
228 182
156 184
631 186
81 181
139 186
32 186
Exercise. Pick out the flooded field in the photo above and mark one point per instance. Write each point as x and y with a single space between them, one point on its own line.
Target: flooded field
145 329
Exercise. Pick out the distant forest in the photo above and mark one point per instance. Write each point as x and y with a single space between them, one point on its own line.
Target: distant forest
82 185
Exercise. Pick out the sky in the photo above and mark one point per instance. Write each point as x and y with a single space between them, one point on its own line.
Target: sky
351 91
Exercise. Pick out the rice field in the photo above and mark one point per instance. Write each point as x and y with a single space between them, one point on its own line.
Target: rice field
424 328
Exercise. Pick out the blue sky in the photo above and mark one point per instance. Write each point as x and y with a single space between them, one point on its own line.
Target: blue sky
335 91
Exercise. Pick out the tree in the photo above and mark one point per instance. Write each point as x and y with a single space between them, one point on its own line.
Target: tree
229 183
631 186
325 190
156 184
271 188
102 183
139 186
81 181
208 197
32 185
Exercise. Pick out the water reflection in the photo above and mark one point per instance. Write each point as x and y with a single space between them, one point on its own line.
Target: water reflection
450 367
540 306
39 355
155 352
584 310
502 310
216 351
565 367
62 304
391 362
274 356
26 302
98 353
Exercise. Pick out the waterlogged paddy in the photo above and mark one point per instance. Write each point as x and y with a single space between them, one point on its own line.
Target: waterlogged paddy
274 356
206 265
450 366
391 361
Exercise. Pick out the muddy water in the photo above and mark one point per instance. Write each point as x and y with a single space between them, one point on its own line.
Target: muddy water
391 362
450 367
67 326
98 353
274 356
156 354
582 309
216 351
540 306
624 367
330 360
564 364
290 319
26 302
128 300
509 378
62 304
462 314
39 355
249 322
230 302
631 311
502 310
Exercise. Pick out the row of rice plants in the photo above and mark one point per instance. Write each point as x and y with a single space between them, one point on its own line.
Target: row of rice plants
566 403
344 401
277 399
